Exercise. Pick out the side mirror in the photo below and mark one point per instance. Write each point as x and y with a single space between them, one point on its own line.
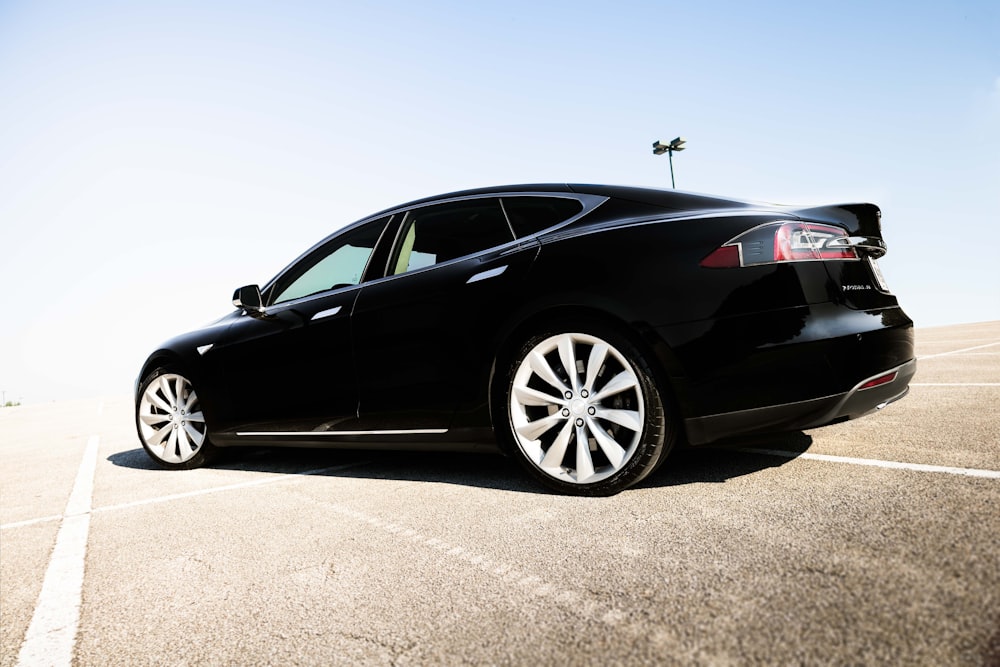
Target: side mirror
248 298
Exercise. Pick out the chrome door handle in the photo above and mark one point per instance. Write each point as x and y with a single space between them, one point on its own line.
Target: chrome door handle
486 275
329 312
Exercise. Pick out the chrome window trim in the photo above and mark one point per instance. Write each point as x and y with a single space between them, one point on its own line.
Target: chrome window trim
590 203
284 305
506 217
330 238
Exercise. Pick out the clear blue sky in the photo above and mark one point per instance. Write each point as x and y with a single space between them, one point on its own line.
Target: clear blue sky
155 155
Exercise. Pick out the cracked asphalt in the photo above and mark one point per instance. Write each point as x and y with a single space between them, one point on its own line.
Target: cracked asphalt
724 556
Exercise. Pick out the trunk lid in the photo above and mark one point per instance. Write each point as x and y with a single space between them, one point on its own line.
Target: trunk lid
859 283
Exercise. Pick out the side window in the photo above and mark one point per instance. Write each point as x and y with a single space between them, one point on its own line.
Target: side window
339 263
436 234
529 215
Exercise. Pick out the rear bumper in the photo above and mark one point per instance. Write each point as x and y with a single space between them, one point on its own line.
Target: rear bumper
857 402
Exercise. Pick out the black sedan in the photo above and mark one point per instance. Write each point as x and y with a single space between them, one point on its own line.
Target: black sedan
584 329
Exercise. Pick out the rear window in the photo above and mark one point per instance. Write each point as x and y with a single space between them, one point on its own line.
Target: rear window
530 215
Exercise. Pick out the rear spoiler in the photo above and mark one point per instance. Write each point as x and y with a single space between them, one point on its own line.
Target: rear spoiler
862 221
865 219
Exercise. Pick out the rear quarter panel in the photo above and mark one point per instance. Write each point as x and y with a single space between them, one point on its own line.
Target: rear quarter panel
727 339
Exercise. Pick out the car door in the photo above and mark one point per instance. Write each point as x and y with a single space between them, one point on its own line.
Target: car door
421 333
290 369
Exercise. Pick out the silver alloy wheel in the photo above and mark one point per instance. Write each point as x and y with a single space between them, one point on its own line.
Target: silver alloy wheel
170 419
574 388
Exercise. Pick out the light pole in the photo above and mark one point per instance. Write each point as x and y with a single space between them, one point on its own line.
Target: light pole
659 148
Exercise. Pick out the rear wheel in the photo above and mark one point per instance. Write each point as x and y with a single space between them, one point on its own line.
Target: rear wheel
170 421
582 411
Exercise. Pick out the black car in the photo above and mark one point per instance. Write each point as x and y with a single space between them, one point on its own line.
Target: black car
584 329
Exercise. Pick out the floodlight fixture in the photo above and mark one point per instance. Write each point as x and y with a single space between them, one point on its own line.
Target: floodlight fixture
676 144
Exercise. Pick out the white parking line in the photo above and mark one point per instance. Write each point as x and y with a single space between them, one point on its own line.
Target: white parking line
188 494
51 635
227 487
578 601
955 384
52 632
945 354
31 522
895 465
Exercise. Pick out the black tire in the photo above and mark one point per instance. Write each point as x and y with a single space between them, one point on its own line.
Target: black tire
540 410
169 421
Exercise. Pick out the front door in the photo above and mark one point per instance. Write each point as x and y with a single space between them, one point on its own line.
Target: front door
291 369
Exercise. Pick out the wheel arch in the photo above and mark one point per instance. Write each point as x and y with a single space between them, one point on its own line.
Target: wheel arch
160 359
657 352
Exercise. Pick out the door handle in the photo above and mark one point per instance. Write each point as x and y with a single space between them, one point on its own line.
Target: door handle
486 275
329 312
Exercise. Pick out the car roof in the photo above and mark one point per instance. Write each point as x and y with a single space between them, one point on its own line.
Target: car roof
672 199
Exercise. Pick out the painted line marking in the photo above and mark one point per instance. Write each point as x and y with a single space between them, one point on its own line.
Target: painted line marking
188 494
895 465
945 354
31 522
963 339
51 634
955 384
227 487
579 602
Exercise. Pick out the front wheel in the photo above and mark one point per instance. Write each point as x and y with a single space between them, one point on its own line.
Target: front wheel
582 411
170 422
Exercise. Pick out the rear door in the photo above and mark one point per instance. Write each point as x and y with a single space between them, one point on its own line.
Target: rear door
422 332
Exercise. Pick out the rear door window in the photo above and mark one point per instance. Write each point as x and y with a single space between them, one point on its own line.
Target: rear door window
435 234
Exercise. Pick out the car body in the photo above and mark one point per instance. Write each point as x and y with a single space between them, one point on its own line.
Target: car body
583 329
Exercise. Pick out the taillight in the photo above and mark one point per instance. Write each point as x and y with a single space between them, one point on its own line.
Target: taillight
782 242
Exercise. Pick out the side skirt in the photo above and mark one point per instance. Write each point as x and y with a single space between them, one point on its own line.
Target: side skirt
427 440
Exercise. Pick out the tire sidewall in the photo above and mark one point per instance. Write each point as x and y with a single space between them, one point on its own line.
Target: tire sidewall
654 434
205 452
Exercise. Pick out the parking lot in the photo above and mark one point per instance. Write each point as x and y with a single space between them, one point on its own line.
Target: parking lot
870 542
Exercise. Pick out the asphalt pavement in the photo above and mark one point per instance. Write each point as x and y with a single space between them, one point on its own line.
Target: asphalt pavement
870 542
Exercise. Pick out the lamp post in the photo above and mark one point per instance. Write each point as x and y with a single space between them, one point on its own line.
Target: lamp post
659 148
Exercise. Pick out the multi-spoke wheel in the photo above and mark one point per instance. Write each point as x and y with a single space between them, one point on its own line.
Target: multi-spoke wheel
584 412
170 422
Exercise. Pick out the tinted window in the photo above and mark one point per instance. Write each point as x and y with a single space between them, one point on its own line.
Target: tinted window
436 234
529 215
339 263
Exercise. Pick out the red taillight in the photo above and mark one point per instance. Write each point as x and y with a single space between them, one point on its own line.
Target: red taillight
795 242
880 380
782 242
726 256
